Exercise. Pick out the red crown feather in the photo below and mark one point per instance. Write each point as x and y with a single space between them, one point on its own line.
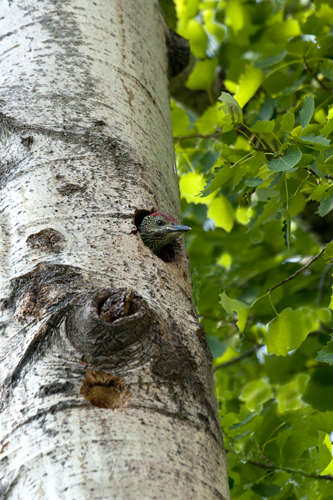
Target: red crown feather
165 215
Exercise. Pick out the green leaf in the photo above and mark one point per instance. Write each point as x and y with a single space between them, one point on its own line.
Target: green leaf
326 354
327 129
326 68
202 75
256 393
190 186
216 346
266 490
289 396
314 167
328 254
288 122
328 154
287 331
306 111
295 86
197 36
253 182
229 137
286 162
179 119
232 306
222 213
231 107
249 83
286 225
315 139
271 208
265 62
319 193
325 205
263 127
324 451
219 177
210 120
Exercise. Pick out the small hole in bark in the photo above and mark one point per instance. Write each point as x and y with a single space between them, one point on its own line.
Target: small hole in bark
104 390
117 305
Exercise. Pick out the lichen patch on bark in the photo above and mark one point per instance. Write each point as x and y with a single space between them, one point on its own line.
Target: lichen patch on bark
104 390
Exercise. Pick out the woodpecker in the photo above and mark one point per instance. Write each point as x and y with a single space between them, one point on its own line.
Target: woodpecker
160 229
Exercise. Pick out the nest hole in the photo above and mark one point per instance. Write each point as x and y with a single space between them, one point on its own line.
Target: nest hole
139 216
167 254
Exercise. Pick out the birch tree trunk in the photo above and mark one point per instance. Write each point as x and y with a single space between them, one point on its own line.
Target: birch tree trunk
106 377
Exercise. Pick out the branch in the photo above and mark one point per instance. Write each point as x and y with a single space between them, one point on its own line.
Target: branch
271 466
238 358
299 270
315 76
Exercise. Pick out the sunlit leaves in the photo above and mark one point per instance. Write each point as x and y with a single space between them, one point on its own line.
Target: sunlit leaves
288 330
289 396
222 213
190 185
325 461
254 168
197 36
234 306
203 74
248 85
231 108
255 393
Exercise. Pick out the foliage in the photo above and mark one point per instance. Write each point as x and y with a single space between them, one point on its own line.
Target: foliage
252 167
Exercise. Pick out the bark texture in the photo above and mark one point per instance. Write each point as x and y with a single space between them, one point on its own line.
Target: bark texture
106 377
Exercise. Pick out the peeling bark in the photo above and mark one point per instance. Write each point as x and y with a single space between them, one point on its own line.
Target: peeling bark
107 388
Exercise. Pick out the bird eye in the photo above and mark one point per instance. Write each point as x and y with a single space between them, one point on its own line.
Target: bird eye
160 222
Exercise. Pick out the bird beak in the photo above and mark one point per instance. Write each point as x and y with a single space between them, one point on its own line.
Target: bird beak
177 229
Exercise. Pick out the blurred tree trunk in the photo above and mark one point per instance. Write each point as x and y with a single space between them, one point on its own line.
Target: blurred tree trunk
106 377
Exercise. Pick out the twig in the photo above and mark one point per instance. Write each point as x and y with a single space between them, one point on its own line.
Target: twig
322 282
299 270
238 358
271 466
315 76
198 136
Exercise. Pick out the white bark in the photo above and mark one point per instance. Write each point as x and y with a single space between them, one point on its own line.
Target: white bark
95 406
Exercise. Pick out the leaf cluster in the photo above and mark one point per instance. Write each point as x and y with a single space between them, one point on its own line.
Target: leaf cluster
252 167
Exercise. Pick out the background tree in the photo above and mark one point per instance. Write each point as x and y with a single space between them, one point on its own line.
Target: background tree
106 375
256 170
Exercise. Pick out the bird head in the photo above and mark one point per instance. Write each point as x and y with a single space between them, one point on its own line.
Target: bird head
160 229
